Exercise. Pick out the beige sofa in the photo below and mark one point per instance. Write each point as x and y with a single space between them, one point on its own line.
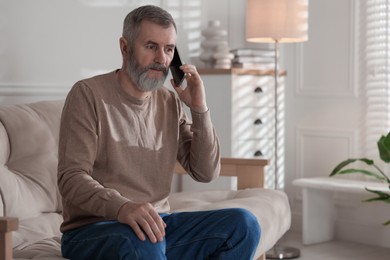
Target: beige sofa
30 202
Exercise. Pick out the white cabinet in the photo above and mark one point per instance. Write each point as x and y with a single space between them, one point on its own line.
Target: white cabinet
242 105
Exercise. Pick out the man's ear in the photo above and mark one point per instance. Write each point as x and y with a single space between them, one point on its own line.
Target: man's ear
123 46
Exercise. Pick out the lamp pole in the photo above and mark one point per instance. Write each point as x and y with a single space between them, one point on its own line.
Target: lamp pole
279 251
276 75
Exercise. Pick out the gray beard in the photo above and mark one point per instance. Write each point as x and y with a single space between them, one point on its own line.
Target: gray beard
138 75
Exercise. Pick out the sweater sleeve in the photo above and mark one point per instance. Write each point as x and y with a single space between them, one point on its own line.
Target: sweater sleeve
199 151
77 152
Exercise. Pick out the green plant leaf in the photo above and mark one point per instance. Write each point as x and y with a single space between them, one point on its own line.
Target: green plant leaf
382 196
384 148
343 164
386 223
361 171
379 192
381 199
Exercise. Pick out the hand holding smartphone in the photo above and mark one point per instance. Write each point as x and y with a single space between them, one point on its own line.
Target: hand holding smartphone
177 74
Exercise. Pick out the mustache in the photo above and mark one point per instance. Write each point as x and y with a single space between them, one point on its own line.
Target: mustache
157 67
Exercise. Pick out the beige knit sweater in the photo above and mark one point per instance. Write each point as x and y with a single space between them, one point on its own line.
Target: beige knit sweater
114 148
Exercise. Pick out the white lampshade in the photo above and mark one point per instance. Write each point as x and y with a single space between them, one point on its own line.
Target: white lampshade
277 20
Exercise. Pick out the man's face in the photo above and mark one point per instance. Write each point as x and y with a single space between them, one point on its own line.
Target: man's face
150 56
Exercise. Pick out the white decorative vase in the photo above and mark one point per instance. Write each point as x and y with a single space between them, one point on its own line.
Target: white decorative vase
223 57
214 36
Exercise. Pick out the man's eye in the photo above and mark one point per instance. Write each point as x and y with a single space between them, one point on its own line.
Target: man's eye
169 50
150 47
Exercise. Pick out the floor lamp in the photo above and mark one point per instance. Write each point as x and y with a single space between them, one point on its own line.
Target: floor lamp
277 21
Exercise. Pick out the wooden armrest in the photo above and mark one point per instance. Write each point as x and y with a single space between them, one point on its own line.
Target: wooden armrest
249 172
7 225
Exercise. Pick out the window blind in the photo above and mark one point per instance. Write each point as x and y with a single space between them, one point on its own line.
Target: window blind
375 74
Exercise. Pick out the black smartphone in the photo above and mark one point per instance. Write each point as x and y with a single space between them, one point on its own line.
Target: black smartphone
177 74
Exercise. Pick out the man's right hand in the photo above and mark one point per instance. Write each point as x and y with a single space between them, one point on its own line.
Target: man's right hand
143 218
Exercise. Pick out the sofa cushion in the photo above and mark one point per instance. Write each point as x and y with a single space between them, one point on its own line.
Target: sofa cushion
45 249
28 156
33 230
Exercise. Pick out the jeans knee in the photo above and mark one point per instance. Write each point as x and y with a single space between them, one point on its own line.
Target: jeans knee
248 223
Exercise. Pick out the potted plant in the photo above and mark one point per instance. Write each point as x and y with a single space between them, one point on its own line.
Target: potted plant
376 172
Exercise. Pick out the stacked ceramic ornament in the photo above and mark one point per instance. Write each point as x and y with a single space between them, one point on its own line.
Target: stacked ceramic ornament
216 52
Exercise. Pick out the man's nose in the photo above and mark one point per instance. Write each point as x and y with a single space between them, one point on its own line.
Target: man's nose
161 56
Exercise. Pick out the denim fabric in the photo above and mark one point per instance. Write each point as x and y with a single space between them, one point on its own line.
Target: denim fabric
217 234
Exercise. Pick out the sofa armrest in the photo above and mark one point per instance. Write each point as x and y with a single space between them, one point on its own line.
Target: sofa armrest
249 172
7 225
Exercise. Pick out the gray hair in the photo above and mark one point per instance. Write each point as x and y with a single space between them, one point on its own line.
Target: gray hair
132 22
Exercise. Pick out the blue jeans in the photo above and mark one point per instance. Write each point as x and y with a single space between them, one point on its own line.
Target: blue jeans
217 234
